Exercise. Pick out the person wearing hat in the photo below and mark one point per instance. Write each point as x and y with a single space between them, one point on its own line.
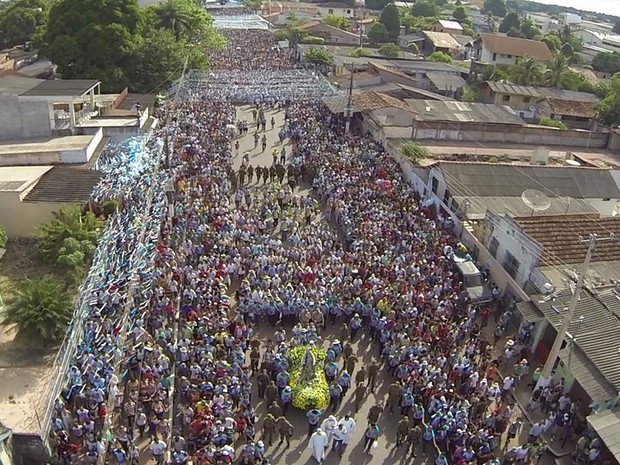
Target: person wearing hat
287 398
268 429
314 416
370 436
373 371
318 444
413 438
402 429
356 324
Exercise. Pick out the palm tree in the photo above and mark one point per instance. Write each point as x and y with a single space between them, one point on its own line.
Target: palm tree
557 73
173 15
40 311
527 72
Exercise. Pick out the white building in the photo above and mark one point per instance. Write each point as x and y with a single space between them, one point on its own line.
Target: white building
504 51
335 8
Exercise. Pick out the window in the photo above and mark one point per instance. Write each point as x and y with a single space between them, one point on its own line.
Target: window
606 200
446 198
508 56
506 98
435 185
494 56
526 99
330 11
493 246
348 12
511 265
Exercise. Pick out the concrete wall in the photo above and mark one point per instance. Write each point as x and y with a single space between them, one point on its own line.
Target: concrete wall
509 134
44 158
346 12
614 140
497 59
23 119
21 218
512 240
82 156
118 134
606 207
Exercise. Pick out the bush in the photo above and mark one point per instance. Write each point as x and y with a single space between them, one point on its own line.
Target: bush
390 50
361 52
109 208
313 393
414 151
552 123
4 239
440 57
313 40
281 34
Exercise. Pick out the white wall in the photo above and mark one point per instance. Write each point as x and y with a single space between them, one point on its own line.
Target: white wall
22 119
512 239
346 12
487 57
588 37
604 207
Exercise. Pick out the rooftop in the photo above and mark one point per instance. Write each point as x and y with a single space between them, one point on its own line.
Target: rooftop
450 24
559 237
18 178
572 108
506 180
442 40
418 66
62 87
496 43
597 335
541 92
607 426
343 6
463 112
446 81
45 145
16 85
65 184
364 102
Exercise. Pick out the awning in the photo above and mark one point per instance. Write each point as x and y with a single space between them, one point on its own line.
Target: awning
607 426
530 312
586 374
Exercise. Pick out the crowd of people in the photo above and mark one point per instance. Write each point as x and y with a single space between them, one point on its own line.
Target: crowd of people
209 270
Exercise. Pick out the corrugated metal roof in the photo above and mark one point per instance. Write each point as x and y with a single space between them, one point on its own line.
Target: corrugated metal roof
501 179
529 311
514 206
442 40
512 89
607 426
446 81
597 334
65 184
432 110
586 374
448 24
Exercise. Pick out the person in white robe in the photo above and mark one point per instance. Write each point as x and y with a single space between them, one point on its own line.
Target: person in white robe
318 444
328 426
349 424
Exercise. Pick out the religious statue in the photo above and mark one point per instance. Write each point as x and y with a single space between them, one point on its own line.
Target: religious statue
308 362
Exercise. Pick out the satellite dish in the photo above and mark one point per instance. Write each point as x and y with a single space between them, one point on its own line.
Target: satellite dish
533 109
536 200
104 104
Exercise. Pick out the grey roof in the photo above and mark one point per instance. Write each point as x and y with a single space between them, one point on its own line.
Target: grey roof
65 185
607 426
421 66
541 92
463 39
598 335
529 311
464 112
60 87
15 85
586 374
514 206
426 94
500 179
446 81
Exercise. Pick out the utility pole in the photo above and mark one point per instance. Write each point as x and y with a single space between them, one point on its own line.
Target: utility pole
349 109
568 316
361 30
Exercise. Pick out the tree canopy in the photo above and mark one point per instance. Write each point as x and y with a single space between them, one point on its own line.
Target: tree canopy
607 62
389 50
527 72
337 21
22 20
41 310
377 4
511 20
440 57
495 7
318 56
378 33
425 8
459 13
390 18
609 107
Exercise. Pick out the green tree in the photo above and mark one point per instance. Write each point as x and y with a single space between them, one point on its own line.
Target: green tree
4 238
607 62
558 74
469 95
491 21
337 21
511 20
414 151
529 29
160 57
391 20
318 56
425 8
552 41
93 39
552 123
440 57
496 7
377 4
174 15
187 21
72 223
378 34
459 13
40 311
255 5
22 20
390 50
527 72
492 73
609 108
